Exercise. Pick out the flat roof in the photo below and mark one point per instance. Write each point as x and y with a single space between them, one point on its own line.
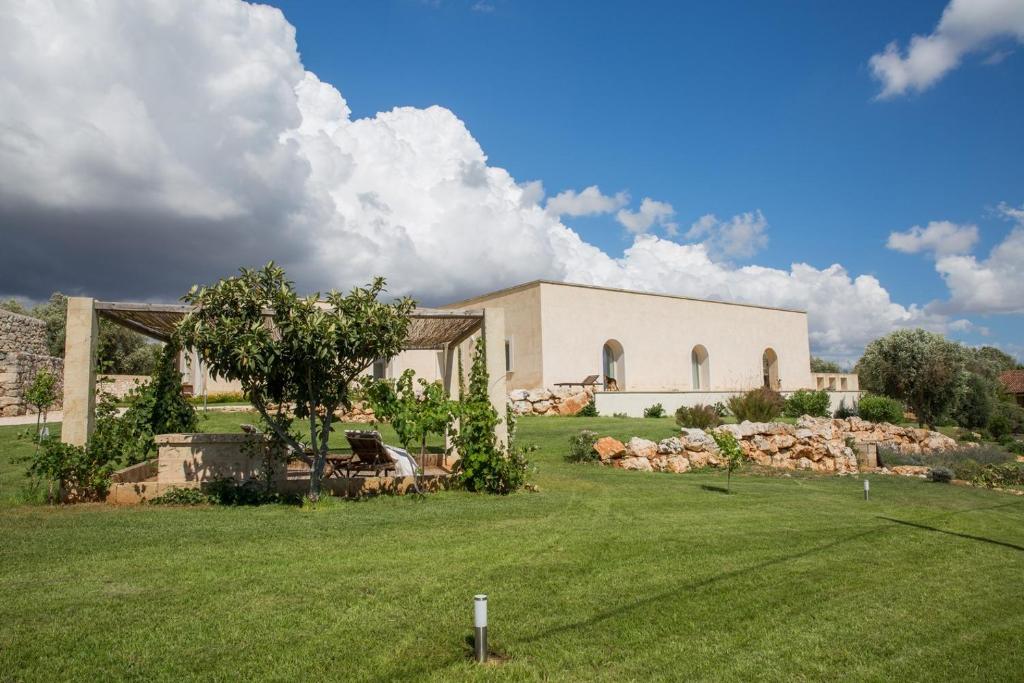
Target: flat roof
536 283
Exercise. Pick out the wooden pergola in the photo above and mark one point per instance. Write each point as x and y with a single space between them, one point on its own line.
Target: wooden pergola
430 330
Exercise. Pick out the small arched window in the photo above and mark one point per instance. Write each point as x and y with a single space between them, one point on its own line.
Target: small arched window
613 366
701 371
770 369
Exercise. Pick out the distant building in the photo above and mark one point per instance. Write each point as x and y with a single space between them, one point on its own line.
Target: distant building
1013 383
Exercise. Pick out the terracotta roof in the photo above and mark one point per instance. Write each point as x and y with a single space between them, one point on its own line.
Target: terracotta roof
1013 381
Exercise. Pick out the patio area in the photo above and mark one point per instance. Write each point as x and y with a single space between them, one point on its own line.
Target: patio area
196 460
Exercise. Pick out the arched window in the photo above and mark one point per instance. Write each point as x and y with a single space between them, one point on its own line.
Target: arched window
613 366
701 368
770 368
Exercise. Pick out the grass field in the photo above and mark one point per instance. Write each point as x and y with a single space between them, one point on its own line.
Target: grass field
603 574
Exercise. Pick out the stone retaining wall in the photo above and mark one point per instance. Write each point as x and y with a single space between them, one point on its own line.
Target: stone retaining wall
815 444
560 401
23 353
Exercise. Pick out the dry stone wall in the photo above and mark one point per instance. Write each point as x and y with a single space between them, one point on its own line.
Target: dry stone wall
23 353
814 444
560 401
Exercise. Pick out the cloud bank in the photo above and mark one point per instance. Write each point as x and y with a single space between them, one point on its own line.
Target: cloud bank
145 146
939 237
966 26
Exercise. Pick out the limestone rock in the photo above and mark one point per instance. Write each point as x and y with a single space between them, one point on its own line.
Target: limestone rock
574 403
519 395
541 406
670 445
607 448
678 464
641 448
632 463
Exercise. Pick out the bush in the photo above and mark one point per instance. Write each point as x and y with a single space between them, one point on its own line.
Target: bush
966 463
1010 474
1015 447
85 471
699 416
843 411
581 447
589 410
880 409
976 402
720 409
657 410
999 426
183 496
158 407
219 397
940 475
757 405
804 402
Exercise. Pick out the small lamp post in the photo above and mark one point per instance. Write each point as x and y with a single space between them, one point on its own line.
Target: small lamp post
867 489
480 628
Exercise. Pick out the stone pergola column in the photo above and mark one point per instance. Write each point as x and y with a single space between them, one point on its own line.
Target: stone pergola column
494 343
81 336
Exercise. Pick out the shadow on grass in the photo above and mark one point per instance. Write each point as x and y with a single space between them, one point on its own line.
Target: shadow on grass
716 489
954 533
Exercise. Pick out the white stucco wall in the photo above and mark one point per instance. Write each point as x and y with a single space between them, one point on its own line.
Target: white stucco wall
658 334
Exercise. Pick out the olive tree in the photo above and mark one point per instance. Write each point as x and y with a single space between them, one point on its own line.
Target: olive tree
921 368
283 348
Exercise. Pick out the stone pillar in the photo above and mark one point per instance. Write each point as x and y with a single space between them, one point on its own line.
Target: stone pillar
494 342
81 336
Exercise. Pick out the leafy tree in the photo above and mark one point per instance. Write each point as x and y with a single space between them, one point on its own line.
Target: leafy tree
976 401
731 452
14 306
822 365
283 348
921 368
482 465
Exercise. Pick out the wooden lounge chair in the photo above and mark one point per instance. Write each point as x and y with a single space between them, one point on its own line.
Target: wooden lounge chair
588 381
369 454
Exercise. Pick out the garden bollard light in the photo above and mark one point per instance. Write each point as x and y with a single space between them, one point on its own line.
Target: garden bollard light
480 628
867 489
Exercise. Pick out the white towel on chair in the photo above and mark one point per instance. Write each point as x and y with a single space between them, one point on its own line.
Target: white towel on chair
405 466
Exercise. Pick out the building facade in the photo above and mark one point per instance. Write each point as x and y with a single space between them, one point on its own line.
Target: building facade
636 341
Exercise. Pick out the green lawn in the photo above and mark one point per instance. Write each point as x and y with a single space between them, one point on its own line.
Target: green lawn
603 574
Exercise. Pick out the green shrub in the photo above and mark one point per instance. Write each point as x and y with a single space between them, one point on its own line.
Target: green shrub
620 415
805 402
757 405
85 471
975 403
581 447
158 407
219 397
967 463
699 416
940 475
183 496
999 426
1009 474
967 436
1015 447
589 410
880 409
843 411
720 409
657 410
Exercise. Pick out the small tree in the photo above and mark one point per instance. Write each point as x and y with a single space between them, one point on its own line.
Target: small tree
283 348
41 395
822 365
731 452
158 407
921 368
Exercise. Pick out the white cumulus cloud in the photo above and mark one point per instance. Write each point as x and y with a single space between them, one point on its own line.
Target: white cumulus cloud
939 237
588 202
741 236
650 213
145 146
991 285
966 26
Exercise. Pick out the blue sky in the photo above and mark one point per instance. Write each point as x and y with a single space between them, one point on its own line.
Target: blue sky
860 161
714 107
